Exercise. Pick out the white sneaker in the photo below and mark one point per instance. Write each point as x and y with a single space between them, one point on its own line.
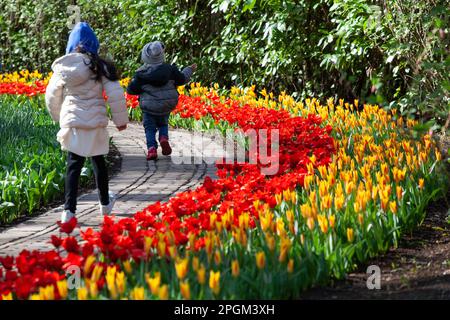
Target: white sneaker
66 215
106 210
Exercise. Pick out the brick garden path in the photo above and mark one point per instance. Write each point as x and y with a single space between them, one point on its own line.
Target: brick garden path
138 184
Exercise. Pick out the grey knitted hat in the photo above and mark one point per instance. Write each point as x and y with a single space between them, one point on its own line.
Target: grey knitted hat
153 53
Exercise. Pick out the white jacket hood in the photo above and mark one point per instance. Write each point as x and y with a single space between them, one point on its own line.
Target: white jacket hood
73 69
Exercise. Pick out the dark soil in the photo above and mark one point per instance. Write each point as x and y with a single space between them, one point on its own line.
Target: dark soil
114 164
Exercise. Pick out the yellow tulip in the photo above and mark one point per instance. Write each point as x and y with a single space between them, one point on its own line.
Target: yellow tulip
214 281
153 283
421 183
323 223
307 181
62 288
290 215
350 235
360 218
293 197
339 202
438 155
47 293
219 226
82 293
266 220
217 257
399 192
260 260
96 273
281 231
7 296
162 248
209 244
384 203
235 268
325 202
195 263
356 206
240 236
305 210
163 293
137 293
172 251
244 220
147 244
270 240
393 206
127 266
93 289
185 290
278 198
290 266
181 267
201 274
121 282
256 204
311 224
284 249
88 264
111 281
332 220
170 237
212 220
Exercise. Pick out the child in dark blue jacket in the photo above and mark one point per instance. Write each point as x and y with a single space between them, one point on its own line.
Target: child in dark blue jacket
156 84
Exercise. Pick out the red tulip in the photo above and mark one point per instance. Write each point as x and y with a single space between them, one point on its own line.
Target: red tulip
70 244
23 286
72 259
87 249
68 226
56 241
10 275
7 262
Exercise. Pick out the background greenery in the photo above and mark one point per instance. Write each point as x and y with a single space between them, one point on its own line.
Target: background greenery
395 53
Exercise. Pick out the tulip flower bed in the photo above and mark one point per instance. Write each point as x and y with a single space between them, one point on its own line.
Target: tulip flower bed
32 164
349 183
31 161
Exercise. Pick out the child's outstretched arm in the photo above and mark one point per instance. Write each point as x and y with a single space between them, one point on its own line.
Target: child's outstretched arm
184 76
54 96
117 102
135 86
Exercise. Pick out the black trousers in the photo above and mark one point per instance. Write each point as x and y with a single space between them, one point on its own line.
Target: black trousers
74 166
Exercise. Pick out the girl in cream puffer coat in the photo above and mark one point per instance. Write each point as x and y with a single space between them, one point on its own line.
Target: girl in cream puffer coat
74 98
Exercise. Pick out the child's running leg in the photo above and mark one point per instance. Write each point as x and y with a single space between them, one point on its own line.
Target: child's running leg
163 126
101 178
150 130
107 198
150 127
74 166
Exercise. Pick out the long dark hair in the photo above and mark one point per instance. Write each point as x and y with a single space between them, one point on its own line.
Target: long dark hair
99 66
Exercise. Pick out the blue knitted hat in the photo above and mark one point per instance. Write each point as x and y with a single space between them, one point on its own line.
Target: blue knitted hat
84 37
